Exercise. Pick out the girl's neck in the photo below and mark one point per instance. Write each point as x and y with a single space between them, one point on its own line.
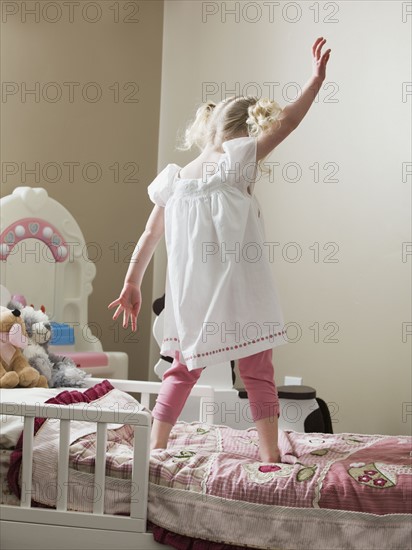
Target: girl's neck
216 146
211 148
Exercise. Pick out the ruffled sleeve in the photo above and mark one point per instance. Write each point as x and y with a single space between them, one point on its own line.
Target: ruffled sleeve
160 189
241 167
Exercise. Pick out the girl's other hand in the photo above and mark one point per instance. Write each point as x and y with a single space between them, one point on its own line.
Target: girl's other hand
129 301
319 61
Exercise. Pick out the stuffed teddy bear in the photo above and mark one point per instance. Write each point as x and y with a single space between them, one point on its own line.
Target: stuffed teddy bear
59 371
15 369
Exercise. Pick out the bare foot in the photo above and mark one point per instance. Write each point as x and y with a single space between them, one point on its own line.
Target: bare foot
270 458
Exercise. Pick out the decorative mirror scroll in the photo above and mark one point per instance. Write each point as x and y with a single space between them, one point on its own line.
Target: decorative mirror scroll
28 228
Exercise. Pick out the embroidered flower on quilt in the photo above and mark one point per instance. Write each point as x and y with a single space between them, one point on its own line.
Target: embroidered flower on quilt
269 468
263 473
378 474
380 481
364 478
183 455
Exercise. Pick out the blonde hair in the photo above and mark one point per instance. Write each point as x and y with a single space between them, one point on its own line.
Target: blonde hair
229 118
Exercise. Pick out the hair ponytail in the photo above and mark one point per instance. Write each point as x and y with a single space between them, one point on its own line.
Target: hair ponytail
196 132
262 115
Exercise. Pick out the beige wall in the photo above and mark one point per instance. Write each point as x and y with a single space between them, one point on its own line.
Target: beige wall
359 125
111 214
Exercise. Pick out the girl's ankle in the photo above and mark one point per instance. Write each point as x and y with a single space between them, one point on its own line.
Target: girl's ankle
272 456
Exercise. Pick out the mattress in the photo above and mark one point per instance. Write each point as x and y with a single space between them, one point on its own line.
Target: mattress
338 491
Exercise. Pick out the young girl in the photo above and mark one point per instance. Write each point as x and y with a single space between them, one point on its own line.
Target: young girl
221 303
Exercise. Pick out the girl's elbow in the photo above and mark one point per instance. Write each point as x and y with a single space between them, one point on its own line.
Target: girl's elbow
154 233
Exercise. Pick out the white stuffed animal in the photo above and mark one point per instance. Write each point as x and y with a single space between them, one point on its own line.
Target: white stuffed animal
39 332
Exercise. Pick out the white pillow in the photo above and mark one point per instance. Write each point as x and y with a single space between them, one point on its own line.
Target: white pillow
11 426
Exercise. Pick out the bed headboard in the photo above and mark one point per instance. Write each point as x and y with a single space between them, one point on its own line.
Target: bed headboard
44 257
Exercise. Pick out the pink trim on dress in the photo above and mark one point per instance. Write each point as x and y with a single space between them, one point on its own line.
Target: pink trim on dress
220 350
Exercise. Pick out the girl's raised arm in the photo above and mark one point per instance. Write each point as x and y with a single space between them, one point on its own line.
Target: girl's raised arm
293 114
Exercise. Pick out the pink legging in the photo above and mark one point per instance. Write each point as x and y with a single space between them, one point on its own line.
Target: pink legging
257 374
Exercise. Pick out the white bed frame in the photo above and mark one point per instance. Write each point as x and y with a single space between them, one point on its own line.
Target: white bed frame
23 527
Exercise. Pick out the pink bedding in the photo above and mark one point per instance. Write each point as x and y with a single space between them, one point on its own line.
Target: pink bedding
334 480
363 473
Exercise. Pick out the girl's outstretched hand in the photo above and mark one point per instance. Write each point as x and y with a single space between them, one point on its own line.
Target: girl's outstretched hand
129 302
319 61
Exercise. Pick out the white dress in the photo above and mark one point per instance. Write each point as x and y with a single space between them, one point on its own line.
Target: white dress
221 300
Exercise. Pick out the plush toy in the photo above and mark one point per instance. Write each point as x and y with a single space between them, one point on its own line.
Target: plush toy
59 371
15 369
65 372
38 332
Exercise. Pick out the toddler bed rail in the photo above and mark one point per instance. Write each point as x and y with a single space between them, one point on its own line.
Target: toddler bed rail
206 394
30 527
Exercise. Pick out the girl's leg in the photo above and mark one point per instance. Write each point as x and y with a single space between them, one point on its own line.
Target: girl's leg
176 386
257 373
